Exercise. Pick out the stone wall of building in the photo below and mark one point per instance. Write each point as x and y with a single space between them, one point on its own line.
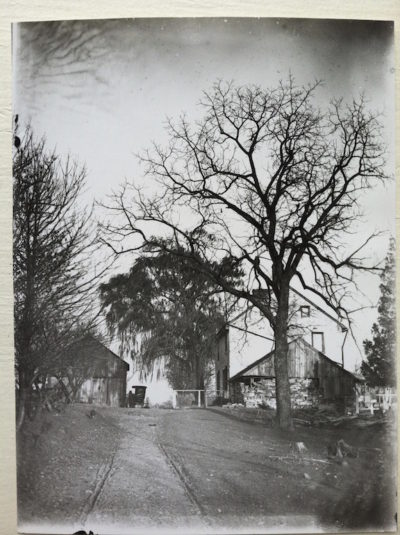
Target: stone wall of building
304 393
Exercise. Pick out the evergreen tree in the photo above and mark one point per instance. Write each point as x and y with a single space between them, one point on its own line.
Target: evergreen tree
379 368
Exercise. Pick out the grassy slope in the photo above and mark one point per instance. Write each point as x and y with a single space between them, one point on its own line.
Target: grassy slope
57 471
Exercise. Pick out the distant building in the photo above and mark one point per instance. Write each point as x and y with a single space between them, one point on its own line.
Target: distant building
313 377
95 374
248 338
222 362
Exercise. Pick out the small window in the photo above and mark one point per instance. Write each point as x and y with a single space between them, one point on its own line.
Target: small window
305 311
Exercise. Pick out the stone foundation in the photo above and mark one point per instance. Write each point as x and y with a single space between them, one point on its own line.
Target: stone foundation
304 393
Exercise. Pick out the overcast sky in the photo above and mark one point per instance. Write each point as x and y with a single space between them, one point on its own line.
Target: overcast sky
101 90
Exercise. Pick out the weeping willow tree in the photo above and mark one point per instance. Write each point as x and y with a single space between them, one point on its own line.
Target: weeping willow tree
166 315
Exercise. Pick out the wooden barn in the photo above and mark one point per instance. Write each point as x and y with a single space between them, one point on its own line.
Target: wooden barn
314 378
95 374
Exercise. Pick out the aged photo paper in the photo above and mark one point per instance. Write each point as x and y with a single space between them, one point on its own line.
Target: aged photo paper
199 307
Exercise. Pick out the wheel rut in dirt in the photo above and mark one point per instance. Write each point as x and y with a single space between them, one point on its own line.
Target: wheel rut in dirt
101 478
177 467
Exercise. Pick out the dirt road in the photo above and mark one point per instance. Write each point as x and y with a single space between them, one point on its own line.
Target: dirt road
179 468
204 472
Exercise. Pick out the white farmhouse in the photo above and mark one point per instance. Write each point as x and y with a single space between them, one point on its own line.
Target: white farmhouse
247 338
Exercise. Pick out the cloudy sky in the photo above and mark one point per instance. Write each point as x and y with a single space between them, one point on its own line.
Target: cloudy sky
101 90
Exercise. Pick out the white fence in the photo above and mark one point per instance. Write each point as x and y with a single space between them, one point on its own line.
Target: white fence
372 400
195 398
188 398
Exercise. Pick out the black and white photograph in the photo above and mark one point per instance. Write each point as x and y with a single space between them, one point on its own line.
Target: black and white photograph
204 275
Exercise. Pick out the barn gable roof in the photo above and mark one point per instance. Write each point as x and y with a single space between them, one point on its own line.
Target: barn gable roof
90 339
291 343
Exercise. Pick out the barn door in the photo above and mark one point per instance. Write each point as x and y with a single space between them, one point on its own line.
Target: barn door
113 392
99 396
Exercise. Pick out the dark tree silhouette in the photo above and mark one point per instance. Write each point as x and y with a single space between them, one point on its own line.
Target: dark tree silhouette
269 181
51 263
379 369
169 312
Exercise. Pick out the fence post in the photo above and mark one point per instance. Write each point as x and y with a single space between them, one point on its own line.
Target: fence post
198 398
385 400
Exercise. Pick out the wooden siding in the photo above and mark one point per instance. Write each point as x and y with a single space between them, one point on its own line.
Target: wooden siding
105 372
102 391
305 362
101 361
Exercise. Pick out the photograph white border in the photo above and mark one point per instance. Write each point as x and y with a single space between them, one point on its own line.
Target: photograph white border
36 10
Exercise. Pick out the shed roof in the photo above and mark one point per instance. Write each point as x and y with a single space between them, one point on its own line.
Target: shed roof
295 341
90 339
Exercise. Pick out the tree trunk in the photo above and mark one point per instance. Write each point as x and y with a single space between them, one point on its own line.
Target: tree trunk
22 399
199 376
21 402
283 401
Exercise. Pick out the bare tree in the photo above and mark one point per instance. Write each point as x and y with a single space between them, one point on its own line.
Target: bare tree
53 240
272 183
